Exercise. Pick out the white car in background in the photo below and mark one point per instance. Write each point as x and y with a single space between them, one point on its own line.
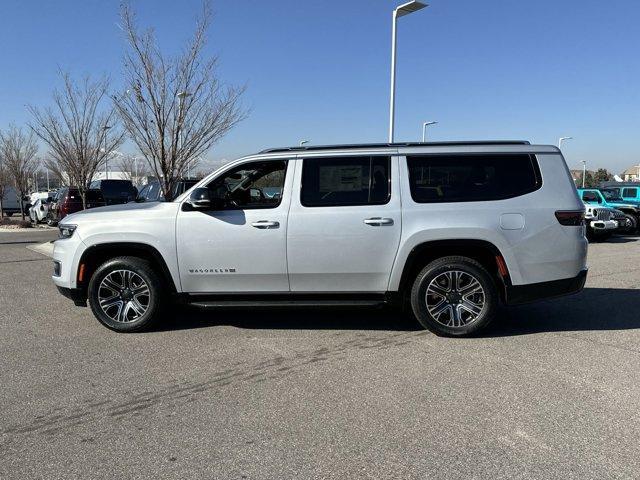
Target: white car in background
38 211
599 222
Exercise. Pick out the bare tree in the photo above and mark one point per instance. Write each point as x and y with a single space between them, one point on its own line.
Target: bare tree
174 108
18 150
127 165
5 181
80 130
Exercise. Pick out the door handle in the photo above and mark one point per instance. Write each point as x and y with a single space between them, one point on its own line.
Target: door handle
378 221
265 224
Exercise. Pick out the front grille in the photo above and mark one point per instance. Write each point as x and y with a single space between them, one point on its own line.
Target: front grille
618 215
604 215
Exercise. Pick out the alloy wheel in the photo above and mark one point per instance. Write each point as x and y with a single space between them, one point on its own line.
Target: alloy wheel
455 298
124 296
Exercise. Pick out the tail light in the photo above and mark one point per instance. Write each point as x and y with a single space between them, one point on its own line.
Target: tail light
570 218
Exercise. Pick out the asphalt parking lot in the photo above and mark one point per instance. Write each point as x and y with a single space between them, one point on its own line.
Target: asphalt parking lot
551 391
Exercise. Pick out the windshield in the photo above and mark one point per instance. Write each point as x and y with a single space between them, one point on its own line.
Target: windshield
611 194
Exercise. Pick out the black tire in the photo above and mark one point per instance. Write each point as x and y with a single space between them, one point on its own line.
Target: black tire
634 223
9 214
138 315
457 304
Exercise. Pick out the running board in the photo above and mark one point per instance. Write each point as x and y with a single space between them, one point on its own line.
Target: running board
285 303
280 301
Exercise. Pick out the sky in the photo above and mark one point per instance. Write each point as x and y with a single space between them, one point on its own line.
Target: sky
319 70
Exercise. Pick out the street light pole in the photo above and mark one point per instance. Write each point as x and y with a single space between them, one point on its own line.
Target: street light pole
424 130
562 139
584 171
402 10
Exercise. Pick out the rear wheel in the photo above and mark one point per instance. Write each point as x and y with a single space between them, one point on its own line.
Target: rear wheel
125 294
454 296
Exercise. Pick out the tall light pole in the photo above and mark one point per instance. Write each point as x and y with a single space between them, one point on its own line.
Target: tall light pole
562 139
401 11
584 171
424 130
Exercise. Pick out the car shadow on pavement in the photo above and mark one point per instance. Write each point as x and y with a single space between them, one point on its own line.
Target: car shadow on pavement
621 240
592 309
291 319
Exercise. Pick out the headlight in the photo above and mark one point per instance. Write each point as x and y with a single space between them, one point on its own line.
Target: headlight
66 231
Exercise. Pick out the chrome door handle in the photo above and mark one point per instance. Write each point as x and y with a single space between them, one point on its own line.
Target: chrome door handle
378 221
265 224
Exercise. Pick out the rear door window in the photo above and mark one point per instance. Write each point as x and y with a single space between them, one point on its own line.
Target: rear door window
471 178
344 181
630 192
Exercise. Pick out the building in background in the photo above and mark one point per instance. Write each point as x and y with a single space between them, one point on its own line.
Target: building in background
631 174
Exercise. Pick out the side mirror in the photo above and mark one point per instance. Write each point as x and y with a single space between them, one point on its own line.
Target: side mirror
200 199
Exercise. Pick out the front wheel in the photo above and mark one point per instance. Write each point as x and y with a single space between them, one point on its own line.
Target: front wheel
125 294
454 296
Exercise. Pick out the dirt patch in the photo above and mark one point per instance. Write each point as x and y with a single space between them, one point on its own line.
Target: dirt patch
11 223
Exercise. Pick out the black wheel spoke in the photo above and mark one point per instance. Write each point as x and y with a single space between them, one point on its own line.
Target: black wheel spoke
124 296
455 298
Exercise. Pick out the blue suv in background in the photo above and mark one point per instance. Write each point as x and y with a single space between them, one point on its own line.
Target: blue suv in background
628 191
611 198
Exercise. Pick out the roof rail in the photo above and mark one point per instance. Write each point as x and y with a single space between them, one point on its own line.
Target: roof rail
354 146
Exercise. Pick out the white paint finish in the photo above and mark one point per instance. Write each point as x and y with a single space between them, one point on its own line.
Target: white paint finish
331 249
225 240
512 221
68 252
151 224
542 251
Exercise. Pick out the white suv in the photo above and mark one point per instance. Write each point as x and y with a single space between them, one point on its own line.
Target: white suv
449 229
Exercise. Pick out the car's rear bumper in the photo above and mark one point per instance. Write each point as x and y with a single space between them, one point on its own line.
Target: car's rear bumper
518 294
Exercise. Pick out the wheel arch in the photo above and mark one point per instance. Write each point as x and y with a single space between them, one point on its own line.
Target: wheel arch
483 251
96 255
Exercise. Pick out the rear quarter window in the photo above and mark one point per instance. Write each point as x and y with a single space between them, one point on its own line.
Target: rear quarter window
472 177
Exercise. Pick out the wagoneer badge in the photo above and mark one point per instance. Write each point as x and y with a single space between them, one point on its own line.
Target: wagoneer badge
205 271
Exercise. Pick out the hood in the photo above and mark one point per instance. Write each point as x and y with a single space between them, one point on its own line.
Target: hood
125 211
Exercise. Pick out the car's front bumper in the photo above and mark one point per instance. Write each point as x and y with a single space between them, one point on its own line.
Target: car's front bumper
66 257
78 295
518 294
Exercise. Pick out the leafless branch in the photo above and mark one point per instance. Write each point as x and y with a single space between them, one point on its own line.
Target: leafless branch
174 109
18 152
80 130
